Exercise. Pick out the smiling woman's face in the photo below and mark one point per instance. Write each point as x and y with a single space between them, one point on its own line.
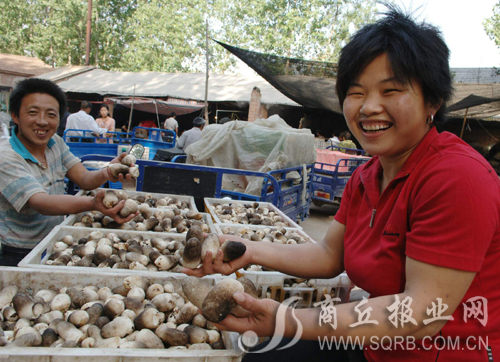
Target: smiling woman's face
38 120
386 117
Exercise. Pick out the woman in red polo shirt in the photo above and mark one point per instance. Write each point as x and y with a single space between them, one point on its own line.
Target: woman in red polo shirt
418 227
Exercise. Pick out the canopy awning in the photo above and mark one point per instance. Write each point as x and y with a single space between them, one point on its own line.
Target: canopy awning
166 107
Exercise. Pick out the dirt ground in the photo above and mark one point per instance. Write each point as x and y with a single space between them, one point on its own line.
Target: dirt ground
319 220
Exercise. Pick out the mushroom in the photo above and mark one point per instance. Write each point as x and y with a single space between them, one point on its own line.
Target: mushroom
164 302
150 339
149 318
69 332
23 304
129 208
219 301
212 244
119 327
187 313
232 250
191 257
196 290
110 199
172 337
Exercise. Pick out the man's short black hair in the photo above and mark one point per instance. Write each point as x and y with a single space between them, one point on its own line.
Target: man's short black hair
415 52
172 114
86 105
346 135
198 122
35 85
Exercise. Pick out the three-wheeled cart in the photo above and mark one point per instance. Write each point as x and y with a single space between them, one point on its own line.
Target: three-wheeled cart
329 180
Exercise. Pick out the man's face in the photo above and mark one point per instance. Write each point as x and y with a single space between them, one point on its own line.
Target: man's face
38 120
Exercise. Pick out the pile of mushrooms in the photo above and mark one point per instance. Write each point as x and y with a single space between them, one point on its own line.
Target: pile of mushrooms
165 202
277 235
135 314
235 213
125 251
167 219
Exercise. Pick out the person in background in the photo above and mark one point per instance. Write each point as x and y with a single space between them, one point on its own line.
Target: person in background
320 141
33 166
105 121
62 123
334 141
148 124
305 122
418 226
193 135
171 123
345 142
82 120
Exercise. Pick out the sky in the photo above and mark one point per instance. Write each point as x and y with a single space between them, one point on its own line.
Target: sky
461 24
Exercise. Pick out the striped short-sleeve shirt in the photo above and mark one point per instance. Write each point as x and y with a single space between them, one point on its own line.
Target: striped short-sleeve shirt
22 176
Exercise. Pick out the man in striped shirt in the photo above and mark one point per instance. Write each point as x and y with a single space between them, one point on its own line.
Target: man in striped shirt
33 164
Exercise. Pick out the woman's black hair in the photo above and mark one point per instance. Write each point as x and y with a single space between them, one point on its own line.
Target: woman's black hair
35 85
415 51
105 106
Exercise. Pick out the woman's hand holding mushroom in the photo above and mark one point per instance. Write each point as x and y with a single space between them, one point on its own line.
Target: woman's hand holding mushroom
98 204
217 265
261 316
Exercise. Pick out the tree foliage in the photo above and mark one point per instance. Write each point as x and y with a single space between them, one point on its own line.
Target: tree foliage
492 25
169 35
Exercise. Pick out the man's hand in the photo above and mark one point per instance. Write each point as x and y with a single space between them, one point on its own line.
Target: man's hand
113 212
120 177
218 266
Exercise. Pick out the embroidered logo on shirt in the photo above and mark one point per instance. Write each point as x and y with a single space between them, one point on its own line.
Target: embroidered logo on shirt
390 230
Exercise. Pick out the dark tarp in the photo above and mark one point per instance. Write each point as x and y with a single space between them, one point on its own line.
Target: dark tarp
479 100
309 83
470 101
312 84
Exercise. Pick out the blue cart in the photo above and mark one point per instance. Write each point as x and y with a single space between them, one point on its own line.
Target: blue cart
152 139
329 180
278 187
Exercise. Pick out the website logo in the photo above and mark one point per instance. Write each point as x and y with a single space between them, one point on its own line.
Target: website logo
250 339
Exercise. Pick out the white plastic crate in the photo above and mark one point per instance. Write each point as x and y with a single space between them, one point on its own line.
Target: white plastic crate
209 208
40 254
219 229
274 283
36 279
131 193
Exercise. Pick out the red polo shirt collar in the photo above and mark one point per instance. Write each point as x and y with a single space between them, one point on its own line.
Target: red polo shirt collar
371 174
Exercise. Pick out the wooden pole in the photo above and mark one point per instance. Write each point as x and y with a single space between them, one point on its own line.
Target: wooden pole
131 110
89 31
463 125
206 79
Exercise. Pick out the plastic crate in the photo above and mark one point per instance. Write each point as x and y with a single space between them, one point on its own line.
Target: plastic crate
40 254
35 279
274 284
210 209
